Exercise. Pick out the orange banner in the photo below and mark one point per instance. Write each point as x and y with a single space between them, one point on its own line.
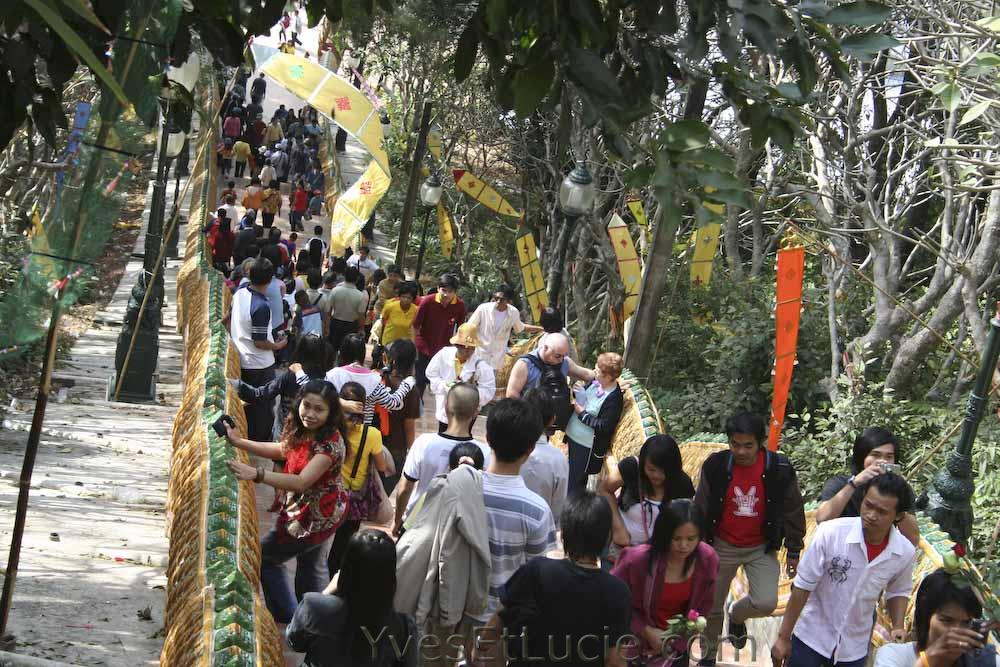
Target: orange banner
791 262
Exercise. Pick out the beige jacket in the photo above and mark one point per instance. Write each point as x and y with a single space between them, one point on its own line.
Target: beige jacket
443 561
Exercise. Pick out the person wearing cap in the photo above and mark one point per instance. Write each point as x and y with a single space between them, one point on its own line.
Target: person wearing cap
495 321
462 361
435 322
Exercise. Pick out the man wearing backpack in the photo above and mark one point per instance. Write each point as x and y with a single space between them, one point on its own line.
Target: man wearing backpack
549 367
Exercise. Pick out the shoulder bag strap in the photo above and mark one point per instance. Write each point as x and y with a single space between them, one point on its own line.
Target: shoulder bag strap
361 450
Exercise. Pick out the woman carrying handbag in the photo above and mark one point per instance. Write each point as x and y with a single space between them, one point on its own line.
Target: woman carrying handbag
359 474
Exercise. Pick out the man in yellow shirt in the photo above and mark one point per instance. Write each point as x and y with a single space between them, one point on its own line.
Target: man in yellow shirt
398 314
241 153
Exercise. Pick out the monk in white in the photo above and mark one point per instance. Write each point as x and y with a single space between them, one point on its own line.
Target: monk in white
494 322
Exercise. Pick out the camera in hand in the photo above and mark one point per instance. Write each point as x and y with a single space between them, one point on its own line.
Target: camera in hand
978 625
219 425
891 467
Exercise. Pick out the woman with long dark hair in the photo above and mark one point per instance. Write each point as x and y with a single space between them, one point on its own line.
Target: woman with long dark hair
356 625
670 576
646 482
314 503
942 622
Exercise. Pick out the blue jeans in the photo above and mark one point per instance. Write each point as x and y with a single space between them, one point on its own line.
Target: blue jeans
803 656
311 574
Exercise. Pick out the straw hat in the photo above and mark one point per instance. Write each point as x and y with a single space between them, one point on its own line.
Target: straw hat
466 335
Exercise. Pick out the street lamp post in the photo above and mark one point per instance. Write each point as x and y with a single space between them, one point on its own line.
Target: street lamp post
430 195
576 198
138 342
949 498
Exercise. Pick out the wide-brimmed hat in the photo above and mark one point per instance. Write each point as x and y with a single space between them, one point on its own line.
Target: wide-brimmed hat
466 335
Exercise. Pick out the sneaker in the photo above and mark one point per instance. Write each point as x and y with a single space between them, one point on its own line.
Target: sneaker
737 631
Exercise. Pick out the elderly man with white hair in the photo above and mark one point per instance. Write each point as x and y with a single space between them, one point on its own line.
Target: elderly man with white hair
549 367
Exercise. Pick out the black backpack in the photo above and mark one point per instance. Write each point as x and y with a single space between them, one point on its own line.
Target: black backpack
554 383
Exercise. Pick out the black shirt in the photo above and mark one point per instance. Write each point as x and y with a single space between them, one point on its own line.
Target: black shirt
833 487
558 599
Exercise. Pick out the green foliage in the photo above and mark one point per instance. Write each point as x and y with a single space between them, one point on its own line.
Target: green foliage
716 353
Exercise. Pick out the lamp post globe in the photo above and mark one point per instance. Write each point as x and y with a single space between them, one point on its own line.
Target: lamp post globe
186 75
430 190
577 192
175 143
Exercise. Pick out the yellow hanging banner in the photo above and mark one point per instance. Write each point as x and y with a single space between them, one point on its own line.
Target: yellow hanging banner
531 272
354 207
332 97
629 264
43 265
444 231
481 192
434 143
635 205
706 243
336 99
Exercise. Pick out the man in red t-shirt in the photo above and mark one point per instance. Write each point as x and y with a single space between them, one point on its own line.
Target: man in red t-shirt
435 323
751 501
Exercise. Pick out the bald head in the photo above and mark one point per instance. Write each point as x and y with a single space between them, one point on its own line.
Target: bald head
554 348
462 403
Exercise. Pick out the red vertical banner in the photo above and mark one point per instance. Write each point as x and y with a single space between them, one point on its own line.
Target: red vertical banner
791 262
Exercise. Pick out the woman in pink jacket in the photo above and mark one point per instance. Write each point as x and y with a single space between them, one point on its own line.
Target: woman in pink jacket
672 579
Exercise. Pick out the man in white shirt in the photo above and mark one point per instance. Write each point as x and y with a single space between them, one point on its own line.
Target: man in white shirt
460 362
250 330
495 321
363 262
849 563
428 456
546 472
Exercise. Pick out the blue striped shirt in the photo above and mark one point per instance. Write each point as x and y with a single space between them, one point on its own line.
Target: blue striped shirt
520 528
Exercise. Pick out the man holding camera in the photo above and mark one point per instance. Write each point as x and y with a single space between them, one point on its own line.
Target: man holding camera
850 562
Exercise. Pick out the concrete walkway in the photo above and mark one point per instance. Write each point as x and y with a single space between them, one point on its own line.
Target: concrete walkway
90 587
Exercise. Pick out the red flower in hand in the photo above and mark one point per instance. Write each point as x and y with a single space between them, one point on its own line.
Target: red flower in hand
959 550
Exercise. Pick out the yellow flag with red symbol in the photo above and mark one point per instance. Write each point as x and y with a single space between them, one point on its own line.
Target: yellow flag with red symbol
629 264
531 272
476 188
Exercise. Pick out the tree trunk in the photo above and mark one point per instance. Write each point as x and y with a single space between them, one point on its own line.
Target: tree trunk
914 350
638 353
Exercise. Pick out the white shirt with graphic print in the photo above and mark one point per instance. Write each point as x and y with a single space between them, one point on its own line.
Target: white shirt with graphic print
844 587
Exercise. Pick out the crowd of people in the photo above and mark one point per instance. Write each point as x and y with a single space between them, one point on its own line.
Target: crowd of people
460 566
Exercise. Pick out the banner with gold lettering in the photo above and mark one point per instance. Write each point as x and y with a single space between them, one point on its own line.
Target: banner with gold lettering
531 271
787 309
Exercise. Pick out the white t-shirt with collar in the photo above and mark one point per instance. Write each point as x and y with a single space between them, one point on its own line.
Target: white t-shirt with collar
428 458
844 587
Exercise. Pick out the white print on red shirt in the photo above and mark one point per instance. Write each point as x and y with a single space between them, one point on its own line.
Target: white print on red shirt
746 501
